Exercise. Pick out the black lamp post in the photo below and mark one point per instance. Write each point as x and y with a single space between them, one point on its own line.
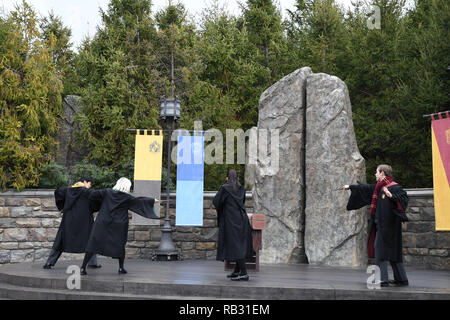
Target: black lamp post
170 111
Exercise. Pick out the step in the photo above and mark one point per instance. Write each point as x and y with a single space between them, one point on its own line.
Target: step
12 292
207 280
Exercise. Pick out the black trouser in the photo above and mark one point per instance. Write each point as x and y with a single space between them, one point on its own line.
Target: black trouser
55 254
89 255
240 267
397 267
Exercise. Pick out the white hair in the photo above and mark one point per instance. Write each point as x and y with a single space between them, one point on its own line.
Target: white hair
123 184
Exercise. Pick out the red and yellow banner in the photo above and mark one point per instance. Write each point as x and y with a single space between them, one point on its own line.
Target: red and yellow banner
440 140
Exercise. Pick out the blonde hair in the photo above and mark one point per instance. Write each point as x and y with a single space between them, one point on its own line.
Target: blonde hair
123 184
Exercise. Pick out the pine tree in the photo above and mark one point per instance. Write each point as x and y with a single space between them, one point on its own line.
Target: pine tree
58 37
30 99
317 35
118 82
263 22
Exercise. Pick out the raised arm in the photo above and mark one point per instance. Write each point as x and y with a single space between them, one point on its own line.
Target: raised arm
361 195
143 206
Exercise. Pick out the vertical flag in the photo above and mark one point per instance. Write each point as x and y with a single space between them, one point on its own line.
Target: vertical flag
440 139
147 170
190 164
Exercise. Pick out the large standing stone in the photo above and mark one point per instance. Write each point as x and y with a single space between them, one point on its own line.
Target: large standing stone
333 236
278 192
250 165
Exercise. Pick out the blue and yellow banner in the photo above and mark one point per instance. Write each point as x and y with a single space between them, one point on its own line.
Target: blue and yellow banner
190 165
147 170
440 141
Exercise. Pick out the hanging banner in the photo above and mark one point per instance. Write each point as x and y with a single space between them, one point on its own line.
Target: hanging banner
147 170
190 165
440 136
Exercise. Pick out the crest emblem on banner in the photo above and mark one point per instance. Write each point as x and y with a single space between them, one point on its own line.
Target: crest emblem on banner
155 147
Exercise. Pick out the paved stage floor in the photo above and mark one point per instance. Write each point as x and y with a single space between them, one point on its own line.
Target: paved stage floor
206 279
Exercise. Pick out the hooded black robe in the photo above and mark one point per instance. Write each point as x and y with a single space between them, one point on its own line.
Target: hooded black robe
386 221
77 219
235 238
110 231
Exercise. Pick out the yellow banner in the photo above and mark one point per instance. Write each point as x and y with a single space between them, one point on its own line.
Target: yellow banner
441 189
148 156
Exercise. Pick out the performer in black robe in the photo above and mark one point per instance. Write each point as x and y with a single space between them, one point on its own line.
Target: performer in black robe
235 238
110 231
76 223
388 203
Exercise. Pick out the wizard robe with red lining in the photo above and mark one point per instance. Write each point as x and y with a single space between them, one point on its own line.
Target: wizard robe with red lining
389 214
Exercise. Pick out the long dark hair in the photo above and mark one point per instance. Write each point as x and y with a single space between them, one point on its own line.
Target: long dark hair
233 179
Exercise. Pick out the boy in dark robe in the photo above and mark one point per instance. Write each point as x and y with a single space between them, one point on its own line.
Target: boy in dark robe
235 238
388 202
76 222
110 231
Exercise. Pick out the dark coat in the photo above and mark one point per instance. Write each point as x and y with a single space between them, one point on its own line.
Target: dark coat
235 238
110 231
386 221
77 219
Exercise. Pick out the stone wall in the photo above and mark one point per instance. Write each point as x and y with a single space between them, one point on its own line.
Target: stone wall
29 221
422 245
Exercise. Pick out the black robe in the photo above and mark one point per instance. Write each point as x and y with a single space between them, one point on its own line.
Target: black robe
235 238
386 221
110 231
77 219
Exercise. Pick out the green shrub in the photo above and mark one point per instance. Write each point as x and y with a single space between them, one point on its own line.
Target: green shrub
53 176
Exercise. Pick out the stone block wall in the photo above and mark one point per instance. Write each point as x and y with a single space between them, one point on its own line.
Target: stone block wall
422 245
29 221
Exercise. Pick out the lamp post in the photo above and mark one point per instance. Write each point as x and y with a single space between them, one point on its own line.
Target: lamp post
170 111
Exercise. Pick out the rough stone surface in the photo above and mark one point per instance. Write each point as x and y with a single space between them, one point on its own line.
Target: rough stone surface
69 153
333 235
278 192
250 166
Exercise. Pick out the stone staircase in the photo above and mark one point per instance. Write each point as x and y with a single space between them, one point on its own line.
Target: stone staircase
205 280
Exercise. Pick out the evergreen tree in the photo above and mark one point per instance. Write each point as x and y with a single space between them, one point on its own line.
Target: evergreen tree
30 99
317 35
263 22
118 82
58 37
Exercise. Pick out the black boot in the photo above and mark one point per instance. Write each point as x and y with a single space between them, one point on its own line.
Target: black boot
235 271
121 268
122 271
242 276
87 257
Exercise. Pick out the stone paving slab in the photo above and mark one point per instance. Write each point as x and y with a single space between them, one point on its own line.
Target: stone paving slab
201 278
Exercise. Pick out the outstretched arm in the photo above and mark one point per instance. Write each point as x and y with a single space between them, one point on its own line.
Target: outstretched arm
361 195
144 206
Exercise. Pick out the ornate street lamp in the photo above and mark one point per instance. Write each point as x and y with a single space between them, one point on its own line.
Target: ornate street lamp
170 112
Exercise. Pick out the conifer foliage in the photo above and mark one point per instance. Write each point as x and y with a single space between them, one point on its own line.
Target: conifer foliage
222 63
30 99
